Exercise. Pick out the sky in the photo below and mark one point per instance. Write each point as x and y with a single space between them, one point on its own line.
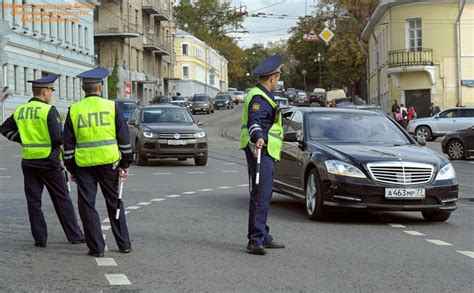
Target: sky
262 30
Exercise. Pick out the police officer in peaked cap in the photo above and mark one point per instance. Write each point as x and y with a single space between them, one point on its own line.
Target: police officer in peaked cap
262 129
37 126
97 151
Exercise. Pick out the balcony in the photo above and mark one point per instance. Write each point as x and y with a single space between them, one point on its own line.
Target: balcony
120 31
160 9
159 46
400 61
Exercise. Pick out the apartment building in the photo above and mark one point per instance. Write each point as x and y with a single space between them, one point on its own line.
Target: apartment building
198 67
421 52
138 36
39 38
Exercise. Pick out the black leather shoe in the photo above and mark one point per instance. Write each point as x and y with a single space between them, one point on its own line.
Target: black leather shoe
256 249
40 244
82 240
126 250
273 245
95 254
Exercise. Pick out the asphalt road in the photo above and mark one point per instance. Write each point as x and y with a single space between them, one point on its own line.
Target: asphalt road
188 228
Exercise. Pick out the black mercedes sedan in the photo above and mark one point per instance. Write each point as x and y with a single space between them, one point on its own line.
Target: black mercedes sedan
459 144
340 158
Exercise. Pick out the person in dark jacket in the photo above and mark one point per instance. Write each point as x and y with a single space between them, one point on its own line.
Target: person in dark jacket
37 127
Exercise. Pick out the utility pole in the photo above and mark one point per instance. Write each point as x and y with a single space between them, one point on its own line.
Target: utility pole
129 51
377 60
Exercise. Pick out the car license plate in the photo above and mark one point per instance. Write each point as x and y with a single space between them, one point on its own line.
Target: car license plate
177 142
404 193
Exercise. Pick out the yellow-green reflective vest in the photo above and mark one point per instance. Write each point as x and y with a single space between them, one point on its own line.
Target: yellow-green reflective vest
32 122
93 120
275 134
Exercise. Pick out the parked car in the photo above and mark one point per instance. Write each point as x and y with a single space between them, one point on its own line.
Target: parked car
180 103
202 103
185 99
459 144
127 106
301 99
161 100
282 102
166 131
447 121
358 159
290 94
374 108
223 101
318 96
240 96
335 96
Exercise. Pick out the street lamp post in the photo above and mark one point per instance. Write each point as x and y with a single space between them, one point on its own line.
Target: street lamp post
318 59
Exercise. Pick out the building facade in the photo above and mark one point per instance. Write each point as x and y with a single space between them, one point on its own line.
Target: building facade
37 39
421 52
199 69
137 35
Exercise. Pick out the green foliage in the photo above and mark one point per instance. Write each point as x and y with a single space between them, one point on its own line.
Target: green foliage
113 79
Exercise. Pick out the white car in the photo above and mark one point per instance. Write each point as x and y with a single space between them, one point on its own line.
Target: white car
240 95
447 121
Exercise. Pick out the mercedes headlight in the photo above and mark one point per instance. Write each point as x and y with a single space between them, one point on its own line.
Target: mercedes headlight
148 134
343 169
200 134
446 173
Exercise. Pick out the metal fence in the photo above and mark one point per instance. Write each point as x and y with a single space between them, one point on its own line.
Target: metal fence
402 58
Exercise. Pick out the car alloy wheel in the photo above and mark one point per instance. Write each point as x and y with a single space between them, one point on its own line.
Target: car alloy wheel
455 150
423 132
313 197
436 216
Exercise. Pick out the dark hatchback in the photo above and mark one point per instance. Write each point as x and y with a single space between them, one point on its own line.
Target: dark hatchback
166 131
223 101
202 103
338 158
459 144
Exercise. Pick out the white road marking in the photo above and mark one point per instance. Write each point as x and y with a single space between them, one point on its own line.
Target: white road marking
173 195
187 192
467 252
106 220
105 262
127 212
414 233
105 228
161 173
157 199
206 189
131 174
117 279
144 203
104 235
438 242
106 248
224 187
230 171
5 177
132 208
196 172
396 225
229 164
3 169
242 185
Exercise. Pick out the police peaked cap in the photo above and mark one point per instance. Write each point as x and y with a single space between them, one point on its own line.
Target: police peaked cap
268 66
44 82
95 75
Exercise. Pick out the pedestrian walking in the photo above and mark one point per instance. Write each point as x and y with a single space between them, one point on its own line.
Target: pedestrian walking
434 109
395 108
262 133
97 152
411 113
37 126
404 112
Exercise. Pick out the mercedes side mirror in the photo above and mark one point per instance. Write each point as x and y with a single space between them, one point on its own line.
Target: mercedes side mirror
421 140
290 136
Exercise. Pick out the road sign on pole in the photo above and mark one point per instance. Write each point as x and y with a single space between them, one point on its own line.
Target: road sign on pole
326 35
310 36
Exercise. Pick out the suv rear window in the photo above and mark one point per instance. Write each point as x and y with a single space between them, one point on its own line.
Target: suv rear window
467 113
200 99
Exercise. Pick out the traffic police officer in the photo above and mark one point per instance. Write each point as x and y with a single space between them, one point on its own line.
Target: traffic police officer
37 126
262 129
97 151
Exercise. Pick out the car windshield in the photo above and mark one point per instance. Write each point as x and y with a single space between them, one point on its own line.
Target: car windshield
301 96
364 128
200 99
179 98
222 97
127 106
166 115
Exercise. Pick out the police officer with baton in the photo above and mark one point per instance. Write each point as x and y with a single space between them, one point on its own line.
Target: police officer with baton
261 138
37 126
97 151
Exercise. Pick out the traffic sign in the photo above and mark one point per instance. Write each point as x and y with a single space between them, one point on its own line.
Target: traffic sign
326 35
304 72
310 36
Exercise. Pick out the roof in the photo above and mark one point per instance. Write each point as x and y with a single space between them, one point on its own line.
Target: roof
161 106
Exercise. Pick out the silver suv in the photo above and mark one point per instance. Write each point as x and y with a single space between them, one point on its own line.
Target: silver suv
442 123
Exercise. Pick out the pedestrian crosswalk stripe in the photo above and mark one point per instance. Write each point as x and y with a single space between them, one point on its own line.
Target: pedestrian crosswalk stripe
414 233
396 225
161 173
206 189
230 171
5 177
438 242
144 203
106 220
132 208
105 262
242 185
117 279
196 172
174 195
466 252
225 187
105 228
186 192
157 199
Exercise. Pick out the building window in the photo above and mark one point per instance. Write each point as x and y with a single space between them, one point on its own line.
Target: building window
73 33
414 34
79 35
184 48
25 78
185 71
86 38
96 13
16 82
74 88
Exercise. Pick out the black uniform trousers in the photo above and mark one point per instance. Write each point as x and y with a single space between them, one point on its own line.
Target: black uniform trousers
108 178
35 179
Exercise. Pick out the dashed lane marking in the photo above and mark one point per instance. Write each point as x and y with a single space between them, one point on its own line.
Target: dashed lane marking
106 248
467 252
3 169
105 262
242 185
5 177
161 173
224 187
157 199
173 195
396 225
438 242
229 164
230 171
132 208
127 212
414 233
196 172
106 220
144 203
187 192
206 189
117 279
105 228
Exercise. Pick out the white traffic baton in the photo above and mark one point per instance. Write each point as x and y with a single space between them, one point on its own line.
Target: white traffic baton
117 214
67 181
257 175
